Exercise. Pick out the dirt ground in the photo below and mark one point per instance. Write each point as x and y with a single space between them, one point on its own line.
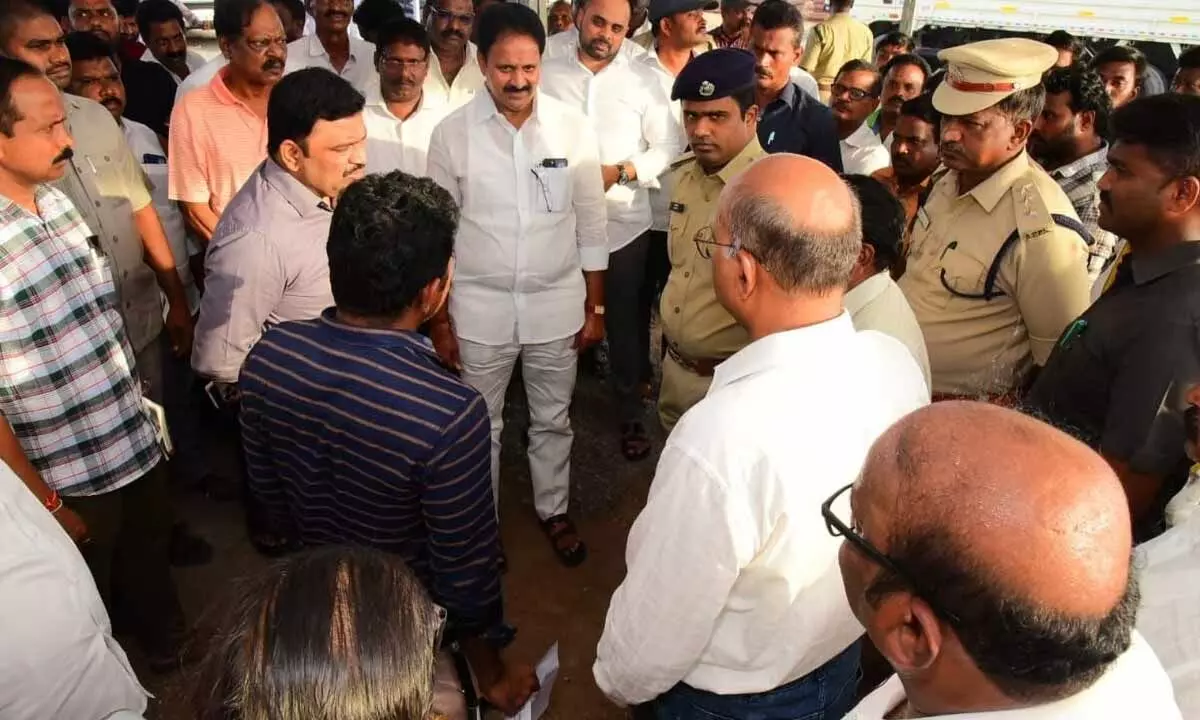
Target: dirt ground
544 600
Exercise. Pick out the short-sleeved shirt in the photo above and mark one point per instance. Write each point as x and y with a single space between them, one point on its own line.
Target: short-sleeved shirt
359 69
266 264
796 122
66 369
107 186
694 322
1113 368
216 143
834 43
981 347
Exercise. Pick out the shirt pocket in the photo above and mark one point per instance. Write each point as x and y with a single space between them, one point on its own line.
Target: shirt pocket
551 189
963 274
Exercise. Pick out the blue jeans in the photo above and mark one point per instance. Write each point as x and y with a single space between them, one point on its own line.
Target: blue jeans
827 693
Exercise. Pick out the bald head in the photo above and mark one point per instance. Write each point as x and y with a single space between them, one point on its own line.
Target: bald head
798 217
1018 529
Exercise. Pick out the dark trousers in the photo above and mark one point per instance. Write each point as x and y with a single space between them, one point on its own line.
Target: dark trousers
827 693
658 267
130 532
627 325
226 427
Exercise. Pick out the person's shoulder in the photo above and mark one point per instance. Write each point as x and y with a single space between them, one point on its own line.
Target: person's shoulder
87 114
142 133
1041 207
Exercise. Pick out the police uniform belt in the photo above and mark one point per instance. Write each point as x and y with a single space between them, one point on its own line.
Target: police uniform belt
704 367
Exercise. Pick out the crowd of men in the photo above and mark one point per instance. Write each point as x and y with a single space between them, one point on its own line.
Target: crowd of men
334 247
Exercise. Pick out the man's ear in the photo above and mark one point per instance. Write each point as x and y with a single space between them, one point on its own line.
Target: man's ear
907 632
1086 120
1022 129
1186 196
290 154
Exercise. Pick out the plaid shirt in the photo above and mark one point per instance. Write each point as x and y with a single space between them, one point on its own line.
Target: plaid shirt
723 39
68 387
1078 180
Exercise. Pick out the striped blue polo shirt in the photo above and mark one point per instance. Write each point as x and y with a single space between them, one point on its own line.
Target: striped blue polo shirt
359 436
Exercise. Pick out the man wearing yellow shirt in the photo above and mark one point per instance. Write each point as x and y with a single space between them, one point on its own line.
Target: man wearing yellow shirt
834 43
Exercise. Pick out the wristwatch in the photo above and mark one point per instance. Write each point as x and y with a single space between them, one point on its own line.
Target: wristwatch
622 178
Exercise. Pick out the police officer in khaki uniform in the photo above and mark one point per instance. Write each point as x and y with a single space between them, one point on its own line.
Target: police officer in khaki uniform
717 91
997 266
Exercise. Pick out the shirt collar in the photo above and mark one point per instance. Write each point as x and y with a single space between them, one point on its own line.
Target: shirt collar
304 201
1083 164
989 192
862 137
374 99
783 349
376 337
1178 257
483 107
866 291
317 49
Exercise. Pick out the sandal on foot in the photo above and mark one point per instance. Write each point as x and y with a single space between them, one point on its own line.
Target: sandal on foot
635 443
559 528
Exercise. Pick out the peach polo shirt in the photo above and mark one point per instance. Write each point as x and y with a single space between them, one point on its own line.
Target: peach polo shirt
216 143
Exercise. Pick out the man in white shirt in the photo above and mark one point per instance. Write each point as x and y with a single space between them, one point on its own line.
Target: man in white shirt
853 97
332 46
400 116
454 73
732 605
639 137
566 43
161 25
531 252
58 656
976 624
875 301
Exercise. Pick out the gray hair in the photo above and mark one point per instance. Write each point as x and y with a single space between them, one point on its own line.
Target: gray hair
801 260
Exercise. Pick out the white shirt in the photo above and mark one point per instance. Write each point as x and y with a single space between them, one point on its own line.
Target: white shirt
1170 614
467 82
1135 686
878 303
395 144
310 25
526 230
733 583
149 152
660 196
632 119
359 69
862 153
193 60
805 81
58 657
566 43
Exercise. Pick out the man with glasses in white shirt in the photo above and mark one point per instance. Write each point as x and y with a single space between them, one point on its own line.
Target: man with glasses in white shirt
454 74
732 605
531 252
632 117
400 116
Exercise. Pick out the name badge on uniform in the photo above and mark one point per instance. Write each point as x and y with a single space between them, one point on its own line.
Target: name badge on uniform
923 218
677 207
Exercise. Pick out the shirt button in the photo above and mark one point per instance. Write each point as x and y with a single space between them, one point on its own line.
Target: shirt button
97 203
106 159
676 309
687 274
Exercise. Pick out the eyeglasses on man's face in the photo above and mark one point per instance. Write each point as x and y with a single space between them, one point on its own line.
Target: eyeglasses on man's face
855 94
447 16
853 535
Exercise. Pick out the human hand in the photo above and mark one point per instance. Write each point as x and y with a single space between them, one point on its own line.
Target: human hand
591 333
513 689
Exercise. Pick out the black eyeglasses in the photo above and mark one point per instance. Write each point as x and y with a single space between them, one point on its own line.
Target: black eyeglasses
839 89
837 528
448 16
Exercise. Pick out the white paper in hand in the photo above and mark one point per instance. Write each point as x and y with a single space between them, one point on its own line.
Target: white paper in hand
547 671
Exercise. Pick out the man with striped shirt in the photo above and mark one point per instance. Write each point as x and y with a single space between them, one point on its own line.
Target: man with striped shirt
356 434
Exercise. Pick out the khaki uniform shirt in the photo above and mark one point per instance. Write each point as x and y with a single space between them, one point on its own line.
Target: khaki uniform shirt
107 185
694 323
831 45
987 347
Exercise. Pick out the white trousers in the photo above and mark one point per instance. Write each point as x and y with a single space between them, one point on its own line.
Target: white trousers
549 373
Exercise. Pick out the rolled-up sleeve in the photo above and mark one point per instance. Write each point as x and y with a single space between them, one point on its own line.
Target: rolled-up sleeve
664 142
439 166
244 281
591 219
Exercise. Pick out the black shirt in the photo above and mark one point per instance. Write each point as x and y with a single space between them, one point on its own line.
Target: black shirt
796 122
149 94
1114 368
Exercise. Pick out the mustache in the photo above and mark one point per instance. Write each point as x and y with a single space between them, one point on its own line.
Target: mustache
354 169
1106 199
178 55
452 32
952 149
762 73
337 12
66 154
273 64
111 102
518 88
60 67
